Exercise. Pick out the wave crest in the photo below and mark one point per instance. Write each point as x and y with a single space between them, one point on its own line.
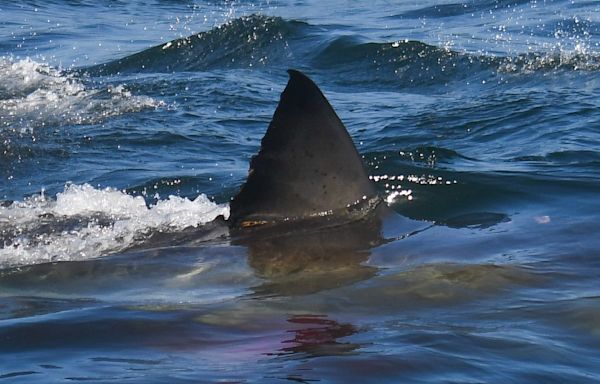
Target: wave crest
84 222
244 42
261 41
33 94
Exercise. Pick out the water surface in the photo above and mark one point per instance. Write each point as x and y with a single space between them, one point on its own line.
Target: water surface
120 122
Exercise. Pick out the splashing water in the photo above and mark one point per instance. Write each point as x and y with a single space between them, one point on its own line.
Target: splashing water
33 94
84 222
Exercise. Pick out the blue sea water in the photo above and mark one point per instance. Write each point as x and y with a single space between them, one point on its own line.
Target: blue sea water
120 121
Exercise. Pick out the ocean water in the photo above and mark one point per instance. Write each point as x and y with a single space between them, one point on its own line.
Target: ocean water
127 127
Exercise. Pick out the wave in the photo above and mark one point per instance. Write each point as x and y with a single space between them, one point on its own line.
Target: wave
259 41
417 63
458 9
34 95
432 156
569 159
83 222
401 62
251 41
576 59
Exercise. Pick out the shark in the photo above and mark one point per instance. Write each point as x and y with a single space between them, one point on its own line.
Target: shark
308 209
308 215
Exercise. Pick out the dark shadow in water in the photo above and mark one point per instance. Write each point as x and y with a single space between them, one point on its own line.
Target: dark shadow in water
475 220
12 375
305 261
316 335
312 259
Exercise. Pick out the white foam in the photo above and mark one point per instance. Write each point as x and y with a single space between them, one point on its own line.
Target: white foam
579 57
33 95
100 222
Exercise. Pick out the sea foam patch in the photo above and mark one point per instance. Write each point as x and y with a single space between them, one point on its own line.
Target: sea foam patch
34 94
84 222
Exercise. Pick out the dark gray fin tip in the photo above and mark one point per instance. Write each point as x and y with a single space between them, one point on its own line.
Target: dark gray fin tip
307 165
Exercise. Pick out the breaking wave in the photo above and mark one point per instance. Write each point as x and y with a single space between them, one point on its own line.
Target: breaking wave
577 59
34 94
83 222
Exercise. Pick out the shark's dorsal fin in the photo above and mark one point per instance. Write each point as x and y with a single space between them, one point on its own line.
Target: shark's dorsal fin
307 164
